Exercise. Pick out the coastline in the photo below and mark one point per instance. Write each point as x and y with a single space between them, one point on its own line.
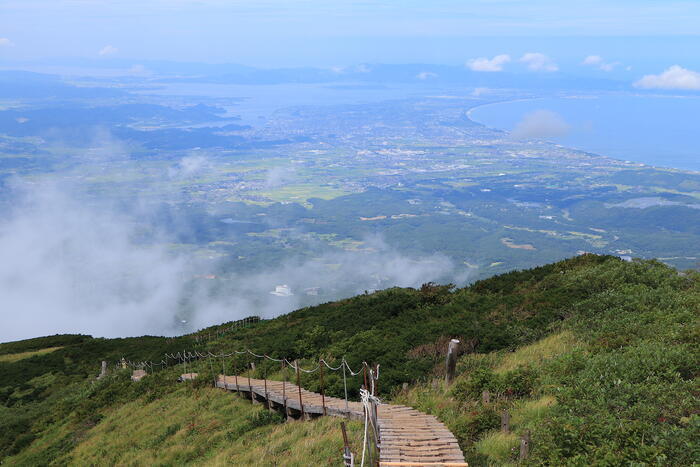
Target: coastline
680 164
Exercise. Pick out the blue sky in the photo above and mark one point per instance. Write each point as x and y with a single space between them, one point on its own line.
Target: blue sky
313 32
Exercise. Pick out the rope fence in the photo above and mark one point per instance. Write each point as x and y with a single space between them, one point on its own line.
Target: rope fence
370 376
188 356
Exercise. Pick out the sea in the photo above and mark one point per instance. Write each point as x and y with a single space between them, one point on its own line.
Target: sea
658 130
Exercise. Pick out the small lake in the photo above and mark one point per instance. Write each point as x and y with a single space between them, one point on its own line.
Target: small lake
656 130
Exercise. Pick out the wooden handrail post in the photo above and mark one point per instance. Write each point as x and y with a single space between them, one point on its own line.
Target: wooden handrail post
250 387
345 388
223 371
323 392
376 379
364 371
348 459
451 363
301 403
235 375
284 389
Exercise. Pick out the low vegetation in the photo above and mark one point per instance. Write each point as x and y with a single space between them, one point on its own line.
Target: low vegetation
595 357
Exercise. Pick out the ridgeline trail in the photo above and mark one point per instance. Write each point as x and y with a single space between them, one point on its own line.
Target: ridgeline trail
406 437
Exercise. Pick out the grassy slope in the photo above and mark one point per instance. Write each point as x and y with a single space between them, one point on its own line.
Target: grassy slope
616 383
14 357
597 357
191 425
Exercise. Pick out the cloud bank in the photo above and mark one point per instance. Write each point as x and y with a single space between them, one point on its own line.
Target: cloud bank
537 61
675 77
490 65
89 265
541 124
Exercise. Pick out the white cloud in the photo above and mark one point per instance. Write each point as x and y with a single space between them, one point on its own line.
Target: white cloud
541 124
138 70
675 77
593 60
280 175
423 75
189 166
477 92
537 61
108 50
484 64
597 61
5 42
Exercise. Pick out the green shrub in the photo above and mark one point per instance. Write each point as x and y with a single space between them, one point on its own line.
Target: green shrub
511 384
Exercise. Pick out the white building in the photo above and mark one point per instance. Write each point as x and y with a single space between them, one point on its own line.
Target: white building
282 291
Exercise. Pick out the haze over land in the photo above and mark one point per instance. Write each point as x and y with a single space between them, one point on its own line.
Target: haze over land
157 176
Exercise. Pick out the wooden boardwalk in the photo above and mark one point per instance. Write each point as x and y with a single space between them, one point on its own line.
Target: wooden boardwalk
407 437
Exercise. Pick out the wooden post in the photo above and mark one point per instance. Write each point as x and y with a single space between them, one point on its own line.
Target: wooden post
301 403
345 388
525 445
267 398
250 387
347 454
284 390
486 397
223 371
323 392
451 363
211 369
364 371
375 380
505 422
235 376
103 370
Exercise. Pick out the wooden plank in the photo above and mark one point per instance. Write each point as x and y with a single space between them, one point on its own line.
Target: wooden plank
407 437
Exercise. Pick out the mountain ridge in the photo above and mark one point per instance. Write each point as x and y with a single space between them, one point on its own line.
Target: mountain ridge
539 341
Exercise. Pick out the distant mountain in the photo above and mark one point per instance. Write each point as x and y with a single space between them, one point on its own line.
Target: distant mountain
28 85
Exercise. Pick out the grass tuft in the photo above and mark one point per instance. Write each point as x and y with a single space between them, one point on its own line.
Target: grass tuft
498 447
535 354
529 413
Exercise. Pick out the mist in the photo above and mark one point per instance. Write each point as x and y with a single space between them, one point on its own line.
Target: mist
73 264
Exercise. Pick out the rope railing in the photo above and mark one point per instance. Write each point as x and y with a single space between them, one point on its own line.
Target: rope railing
307 405
367 390
186 356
